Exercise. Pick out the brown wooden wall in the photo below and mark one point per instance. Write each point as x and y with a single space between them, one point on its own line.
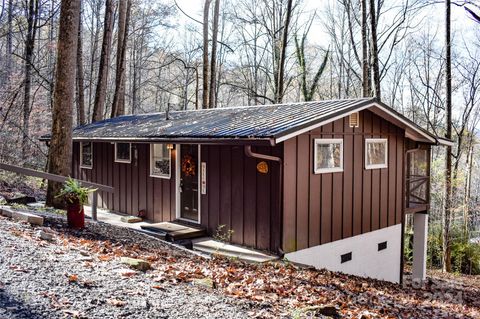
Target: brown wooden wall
241 198
135 190
321 208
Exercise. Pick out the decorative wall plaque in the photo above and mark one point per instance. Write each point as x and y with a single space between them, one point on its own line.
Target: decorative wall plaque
262 167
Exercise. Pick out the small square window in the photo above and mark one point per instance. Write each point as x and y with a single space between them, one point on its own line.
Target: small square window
123 152
86 155
328 155
376 153
160 163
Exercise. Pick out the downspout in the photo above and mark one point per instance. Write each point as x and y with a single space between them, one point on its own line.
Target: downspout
250 153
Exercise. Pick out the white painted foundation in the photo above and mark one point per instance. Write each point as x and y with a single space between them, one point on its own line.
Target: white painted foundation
367 260
420 233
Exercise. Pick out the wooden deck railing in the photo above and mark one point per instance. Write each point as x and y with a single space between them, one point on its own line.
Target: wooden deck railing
417 180
415 193
61 179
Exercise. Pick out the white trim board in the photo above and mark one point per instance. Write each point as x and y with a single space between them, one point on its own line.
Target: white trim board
177 185
358 109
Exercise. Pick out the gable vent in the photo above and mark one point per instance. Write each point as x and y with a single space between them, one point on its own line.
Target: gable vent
354 119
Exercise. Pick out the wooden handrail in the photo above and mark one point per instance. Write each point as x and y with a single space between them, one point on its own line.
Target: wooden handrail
52 177
60 179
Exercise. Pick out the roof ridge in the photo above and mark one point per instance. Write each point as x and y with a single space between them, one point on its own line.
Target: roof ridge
253 106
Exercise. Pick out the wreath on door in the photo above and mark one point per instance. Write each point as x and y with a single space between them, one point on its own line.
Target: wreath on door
188 165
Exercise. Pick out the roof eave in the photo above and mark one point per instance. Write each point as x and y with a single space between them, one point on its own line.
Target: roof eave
261 141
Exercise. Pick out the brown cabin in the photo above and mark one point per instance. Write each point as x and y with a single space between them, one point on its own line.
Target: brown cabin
310 181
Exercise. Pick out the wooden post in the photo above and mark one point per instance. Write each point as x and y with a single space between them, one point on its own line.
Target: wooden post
94 205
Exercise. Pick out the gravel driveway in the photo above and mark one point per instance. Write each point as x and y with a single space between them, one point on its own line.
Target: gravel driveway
42 279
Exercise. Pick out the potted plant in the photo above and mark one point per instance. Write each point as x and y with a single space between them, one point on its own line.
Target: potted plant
75 196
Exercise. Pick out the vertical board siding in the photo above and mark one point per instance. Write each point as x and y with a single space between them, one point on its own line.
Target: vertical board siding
344 204
135 190
237 209
303 173
289 236
240 198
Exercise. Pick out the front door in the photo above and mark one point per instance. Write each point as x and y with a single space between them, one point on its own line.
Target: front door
189 182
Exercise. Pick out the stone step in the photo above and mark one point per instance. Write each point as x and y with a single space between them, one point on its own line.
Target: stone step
23 216
27 217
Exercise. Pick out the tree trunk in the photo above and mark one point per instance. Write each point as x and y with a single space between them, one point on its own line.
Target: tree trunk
60 151
32 18
9 47
118 105
283 52
448 156
365 68
101 91
95 21
206 10
374 51
80 80
213 63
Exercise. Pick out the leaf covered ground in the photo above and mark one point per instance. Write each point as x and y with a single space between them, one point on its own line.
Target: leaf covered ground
272 290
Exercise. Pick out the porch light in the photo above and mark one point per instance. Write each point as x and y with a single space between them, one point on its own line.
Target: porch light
170 146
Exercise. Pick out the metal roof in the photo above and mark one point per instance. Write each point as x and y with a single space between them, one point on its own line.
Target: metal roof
262 124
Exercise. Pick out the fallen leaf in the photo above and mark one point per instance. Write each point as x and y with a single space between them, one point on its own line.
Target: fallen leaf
104 258
158 287
73 278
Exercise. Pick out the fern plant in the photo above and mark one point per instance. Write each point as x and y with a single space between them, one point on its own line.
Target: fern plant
72 192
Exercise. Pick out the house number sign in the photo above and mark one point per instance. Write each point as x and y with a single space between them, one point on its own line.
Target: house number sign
203 180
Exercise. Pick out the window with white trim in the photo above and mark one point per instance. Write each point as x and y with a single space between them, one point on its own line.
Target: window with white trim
86 155
160 160
328 155
123 152
376 153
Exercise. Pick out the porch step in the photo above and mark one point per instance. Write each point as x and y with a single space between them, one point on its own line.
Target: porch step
210 246
175 231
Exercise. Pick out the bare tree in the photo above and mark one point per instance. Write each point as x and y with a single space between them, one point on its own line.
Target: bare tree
205 82
374 50
118 106
448 155
365 66
60 151
279 92
308 91
32 21
213 63
80 80
101 91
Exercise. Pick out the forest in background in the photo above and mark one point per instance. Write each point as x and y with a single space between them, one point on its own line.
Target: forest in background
138 56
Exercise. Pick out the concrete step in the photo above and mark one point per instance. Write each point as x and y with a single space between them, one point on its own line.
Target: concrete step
211 246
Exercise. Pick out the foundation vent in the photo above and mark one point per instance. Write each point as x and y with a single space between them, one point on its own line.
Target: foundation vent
382 246
354 119
346 257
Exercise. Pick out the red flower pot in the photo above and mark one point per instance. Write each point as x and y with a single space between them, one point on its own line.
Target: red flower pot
75 215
